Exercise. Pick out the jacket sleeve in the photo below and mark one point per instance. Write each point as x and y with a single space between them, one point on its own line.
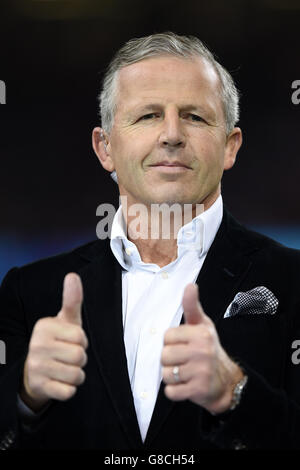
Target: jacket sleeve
15 427
14 335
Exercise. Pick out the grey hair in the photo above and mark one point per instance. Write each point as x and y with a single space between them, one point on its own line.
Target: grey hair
168 43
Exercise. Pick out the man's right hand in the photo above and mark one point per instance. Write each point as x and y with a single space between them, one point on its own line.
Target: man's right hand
56 356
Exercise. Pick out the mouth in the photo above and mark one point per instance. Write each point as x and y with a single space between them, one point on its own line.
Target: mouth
170 166
172 163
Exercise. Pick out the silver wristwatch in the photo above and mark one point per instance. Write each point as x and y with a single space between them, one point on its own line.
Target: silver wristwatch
237 392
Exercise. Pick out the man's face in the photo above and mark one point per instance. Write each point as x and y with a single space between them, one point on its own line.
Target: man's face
168 142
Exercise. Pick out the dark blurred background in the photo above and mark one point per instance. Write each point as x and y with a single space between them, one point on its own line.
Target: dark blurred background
52 58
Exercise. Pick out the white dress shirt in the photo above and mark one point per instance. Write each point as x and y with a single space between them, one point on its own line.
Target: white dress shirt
152 299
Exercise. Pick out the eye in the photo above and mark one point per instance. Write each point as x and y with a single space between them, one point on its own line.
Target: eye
195 117
148 116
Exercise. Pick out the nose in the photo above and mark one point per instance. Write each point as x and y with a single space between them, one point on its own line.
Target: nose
172 134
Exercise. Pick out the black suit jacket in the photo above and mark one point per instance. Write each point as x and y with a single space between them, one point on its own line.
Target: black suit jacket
101 414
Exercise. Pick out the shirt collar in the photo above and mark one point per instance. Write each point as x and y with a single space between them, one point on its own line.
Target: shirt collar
196 235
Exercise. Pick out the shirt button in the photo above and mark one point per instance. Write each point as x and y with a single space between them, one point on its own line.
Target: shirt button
129 251
164 275
153 331
144 395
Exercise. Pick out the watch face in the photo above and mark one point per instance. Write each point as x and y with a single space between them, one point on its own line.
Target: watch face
237 392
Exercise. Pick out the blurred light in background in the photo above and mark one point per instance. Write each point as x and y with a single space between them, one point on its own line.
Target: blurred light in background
17 251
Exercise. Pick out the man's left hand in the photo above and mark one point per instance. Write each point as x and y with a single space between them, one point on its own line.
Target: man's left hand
205 373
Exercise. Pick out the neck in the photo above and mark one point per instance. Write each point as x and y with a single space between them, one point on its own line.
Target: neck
154 228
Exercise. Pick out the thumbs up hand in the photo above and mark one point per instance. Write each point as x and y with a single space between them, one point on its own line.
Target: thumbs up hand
56 356
195 366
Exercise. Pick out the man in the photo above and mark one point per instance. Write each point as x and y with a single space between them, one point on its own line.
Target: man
130 359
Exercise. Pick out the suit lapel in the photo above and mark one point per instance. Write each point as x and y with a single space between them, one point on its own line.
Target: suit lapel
102 284
224 268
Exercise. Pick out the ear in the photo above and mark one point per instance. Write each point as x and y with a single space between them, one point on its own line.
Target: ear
100 142
233 144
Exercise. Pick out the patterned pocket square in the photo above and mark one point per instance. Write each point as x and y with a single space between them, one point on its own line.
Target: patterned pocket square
255 301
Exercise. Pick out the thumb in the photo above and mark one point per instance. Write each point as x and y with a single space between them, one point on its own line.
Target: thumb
72 299
193 311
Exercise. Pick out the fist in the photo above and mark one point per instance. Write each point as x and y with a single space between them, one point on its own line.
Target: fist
57 351
195 366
